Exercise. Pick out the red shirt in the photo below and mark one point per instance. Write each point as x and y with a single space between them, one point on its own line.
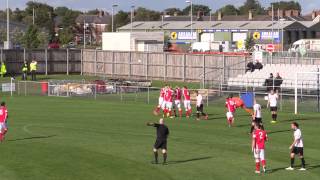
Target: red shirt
186 94
3 115
168 95
231 105
260 137
162 92
178 94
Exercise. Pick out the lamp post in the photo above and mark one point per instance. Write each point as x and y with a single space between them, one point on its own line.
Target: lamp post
84 30
112 24
131 17
191 29
8 26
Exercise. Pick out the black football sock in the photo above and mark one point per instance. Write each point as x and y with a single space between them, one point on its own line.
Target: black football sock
164 157
275 117
292 162
156 157
303 163
198 115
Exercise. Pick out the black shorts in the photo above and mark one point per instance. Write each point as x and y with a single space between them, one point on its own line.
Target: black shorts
200 108
274 108
160 144
257 120
297 150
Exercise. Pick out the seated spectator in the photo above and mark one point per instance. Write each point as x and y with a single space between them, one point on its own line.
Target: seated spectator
250 67
258 65
277 82
269 83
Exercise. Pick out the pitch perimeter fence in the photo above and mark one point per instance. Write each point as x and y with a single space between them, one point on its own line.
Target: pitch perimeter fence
149 95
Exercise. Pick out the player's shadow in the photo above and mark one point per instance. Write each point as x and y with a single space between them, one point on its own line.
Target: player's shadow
33 137
301 119
279 131
189 160
296 167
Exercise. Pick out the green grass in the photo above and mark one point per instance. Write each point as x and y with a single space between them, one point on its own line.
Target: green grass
80 139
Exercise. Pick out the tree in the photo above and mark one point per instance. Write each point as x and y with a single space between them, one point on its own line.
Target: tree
143 14
122 18
173 11
30 38
93 12
228 10
249 44
65 36
252 5
286 5
195 9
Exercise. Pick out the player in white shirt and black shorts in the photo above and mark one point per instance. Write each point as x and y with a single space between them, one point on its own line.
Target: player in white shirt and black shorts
200 106
297 147
257 116
273 104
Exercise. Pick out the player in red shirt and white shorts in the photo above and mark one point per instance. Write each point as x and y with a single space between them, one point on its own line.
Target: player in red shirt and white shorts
3 118
177 100
168 100
259 137
161 101
231 108
187 101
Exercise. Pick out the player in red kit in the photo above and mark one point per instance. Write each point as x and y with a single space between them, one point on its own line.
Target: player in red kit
161 102
259 138
231 108
187 101
3 118
177 101
168 99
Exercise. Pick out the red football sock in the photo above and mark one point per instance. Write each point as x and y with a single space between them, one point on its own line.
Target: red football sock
263 162
257 166
158 109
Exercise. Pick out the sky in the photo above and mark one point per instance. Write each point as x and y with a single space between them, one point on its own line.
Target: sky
307 5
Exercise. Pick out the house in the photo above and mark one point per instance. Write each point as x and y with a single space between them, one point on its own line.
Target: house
94 26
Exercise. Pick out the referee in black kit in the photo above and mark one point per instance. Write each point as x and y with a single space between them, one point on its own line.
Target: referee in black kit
161 142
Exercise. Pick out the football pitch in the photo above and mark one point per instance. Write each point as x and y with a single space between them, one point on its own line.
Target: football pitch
78 138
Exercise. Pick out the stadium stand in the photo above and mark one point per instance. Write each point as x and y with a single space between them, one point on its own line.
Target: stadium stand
286 71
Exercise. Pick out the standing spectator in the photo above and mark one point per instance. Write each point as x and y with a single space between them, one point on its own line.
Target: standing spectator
24 71
277 82
269 83
3 69
33 69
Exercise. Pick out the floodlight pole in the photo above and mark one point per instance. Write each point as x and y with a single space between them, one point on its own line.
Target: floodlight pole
33 12
191 16
131 18
112 23
8 25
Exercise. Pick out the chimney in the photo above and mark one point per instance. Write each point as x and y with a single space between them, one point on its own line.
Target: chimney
281 12
313 15
175 14
288 13
295 13
219 15
250 15
101 13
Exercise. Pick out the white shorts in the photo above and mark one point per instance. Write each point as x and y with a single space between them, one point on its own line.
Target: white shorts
187 104
168 105
2 127
258 154
160 101
229 115
177 103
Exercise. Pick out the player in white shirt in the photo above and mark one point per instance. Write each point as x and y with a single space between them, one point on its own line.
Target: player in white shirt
200 106
257 116
296 147
273 104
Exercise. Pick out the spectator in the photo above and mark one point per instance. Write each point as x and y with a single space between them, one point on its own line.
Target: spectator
269 83
258 65
250 67
277 82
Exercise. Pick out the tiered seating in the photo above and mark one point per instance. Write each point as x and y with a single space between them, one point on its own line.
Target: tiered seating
286 71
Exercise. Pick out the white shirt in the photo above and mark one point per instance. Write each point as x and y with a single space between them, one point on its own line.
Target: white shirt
273 98
257 110
199 100
298 137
